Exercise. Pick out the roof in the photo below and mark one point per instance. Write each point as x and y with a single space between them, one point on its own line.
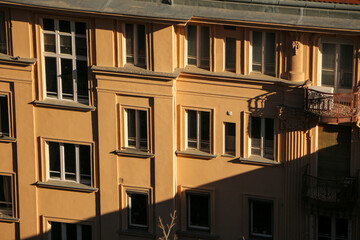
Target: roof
284 12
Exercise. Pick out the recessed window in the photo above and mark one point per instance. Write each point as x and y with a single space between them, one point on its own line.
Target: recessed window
198 210
3 44
4 116
337 65
136 129
69 162
230 54
138 210
198 130
135 44
198 46
6 196
261 219
229 138
65 60
70 231
262 137
332 228
263 52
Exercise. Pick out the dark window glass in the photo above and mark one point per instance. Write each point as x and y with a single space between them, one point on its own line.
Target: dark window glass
48 24
70 162
131 127
198 211
328 64
138 210
80 28
5 196
51 77
54 156
341 230
257 51
143 128
230 138
204 47
346 65
3 45
80 44
255 136
269 57
4 116
269 138
67 78
71 233
261 218
82 77
85 162
324 228
49 43
129 34
64 26
86 233
205 131
65 45
192 129
56 233
141 45
192 49
230 54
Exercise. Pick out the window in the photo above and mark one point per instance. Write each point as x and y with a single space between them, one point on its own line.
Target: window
261 219
230 54
198 130
337 65
65 58
6 196
263 52
262 137
4 116
138 211
198 46
3 44
136 129
69 162
135 44
198 210
229 138
332 228
70 231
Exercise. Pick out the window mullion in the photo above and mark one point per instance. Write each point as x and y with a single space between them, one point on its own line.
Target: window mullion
58 59
74 72
63 231
77 163
62 161
78 232
137 128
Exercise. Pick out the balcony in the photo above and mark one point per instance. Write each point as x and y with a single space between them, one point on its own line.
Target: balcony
330 192
331 107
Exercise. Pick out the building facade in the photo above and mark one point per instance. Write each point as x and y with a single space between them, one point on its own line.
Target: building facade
240 116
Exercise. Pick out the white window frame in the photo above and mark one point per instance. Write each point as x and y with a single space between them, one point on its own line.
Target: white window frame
262 138
135 44
198 46
128 193
338 43
62 163
333 227
63 230
252 220
263 52
58 56
12 194
188 209
198 129
137 128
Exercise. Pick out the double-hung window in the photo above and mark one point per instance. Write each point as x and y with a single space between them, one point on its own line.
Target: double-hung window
261 219
3 43
198 46
262 137
6 196
337 65
69 231
198 210
4 116
65 58
69 162
136 129
135 35
138 210
263 52
333 228
198 130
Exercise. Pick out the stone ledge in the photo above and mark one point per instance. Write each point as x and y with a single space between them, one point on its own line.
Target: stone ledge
65 185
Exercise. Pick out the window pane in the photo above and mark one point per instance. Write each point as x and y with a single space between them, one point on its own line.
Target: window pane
324 228
346 65
270 53
230 138
3 48
4 116
82 79
138 209
269 138
328 64
56 231
49 43
86 233
131 127
257 51
85 162
262 217
255 135
51 76
230 48
54 158
192 128
70 162
80 28
64 26
80 45
341 229
205 131
141 45
143 128
5 196
129 34
71 233
67 78
192 50
48 24
65 44
204 46
198 210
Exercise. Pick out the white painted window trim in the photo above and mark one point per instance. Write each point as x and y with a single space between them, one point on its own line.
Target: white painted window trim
262 137
137 128
128 193
188 194
198 131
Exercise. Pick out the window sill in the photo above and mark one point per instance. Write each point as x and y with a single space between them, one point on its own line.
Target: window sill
134 233
71 186
4 218
7 139
134 153
64 104
197 235
257 160
195 153
228 155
